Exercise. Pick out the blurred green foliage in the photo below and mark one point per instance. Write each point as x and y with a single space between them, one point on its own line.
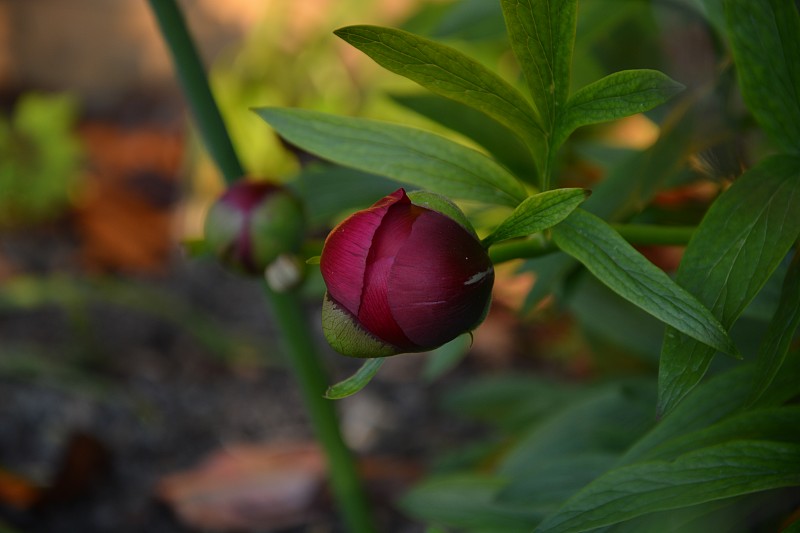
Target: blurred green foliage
40 158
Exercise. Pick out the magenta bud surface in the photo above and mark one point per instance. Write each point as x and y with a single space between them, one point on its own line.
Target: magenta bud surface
252 224
402 278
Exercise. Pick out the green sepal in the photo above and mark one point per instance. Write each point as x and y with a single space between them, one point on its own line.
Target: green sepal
347 337
441 204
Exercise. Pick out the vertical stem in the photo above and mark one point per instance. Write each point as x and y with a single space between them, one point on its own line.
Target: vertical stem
287 308
195 85
313 382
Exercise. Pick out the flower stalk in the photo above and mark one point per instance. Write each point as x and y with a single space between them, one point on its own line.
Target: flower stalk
286 307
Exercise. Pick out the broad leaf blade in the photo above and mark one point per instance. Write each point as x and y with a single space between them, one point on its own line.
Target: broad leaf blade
618 95
780 332
625 271
780 424
467 503
712 473
449 73
407 155
542 36
765 38
501 142
739 244
537 213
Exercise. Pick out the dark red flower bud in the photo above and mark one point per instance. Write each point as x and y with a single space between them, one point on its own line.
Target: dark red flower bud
252 224
403 278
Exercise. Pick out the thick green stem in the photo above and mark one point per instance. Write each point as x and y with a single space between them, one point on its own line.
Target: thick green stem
287 309
641 234
344 478
195 85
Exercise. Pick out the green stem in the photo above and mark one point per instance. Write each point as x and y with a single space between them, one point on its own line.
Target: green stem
649 234
287 309
195 85
313 382
641 234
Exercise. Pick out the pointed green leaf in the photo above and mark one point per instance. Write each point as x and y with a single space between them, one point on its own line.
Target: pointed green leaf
537 213
542 36
781 424
618 95
740 242
616 263
407 155
498 140
707 474
449 73
705 405
780 332
765 38
356 382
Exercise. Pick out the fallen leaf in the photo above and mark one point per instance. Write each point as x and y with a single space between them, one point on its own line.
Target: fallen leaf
249 487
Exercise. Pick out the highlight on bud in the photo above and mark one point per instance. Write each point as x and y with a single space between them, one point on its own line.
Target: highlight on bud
252 224
403 278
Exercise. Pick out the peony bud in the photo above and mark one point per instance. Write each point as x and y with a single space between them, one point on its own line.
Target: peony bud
402 278
252 224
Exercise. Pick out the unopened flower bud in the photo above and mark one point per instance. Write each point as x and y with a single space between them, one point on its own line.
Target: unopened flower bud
403 278
252 224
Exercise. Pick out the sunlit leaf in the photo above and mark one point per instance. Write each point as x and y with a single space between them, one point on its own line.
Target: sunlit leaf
618 95
407 155
449 73
542 37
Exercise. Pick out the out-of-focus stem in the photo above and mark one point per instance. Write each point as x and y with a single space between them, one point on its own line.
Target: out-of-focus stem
287 308
195 85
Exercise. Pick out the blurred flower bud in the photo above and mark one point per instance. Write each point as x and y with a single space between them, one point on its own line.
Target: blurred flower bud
403 278
252 224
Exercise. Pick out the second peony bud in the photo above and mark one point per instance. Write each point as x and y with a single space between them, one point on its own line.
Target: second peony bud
402 278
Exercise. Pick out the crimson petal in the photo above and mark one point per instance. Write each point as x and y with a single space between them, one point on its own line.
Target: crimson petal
441 281
344 256
374 313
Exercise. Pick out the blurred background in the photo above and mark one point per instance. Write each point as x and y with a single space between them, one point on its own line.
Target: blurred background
142 389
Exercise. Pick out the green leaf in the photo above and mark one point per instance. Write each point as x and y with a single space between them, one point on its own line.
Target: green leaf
407 155
467 502
551 482
542 36
449 73
618 95
781 424
625 271
742 239
501 142
780 332
537 213
705 405
712 473
605 419
356 382
765 38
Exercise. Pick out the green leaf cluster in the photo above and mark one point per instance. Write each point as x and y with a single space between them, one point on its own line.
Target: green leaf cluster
603 455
